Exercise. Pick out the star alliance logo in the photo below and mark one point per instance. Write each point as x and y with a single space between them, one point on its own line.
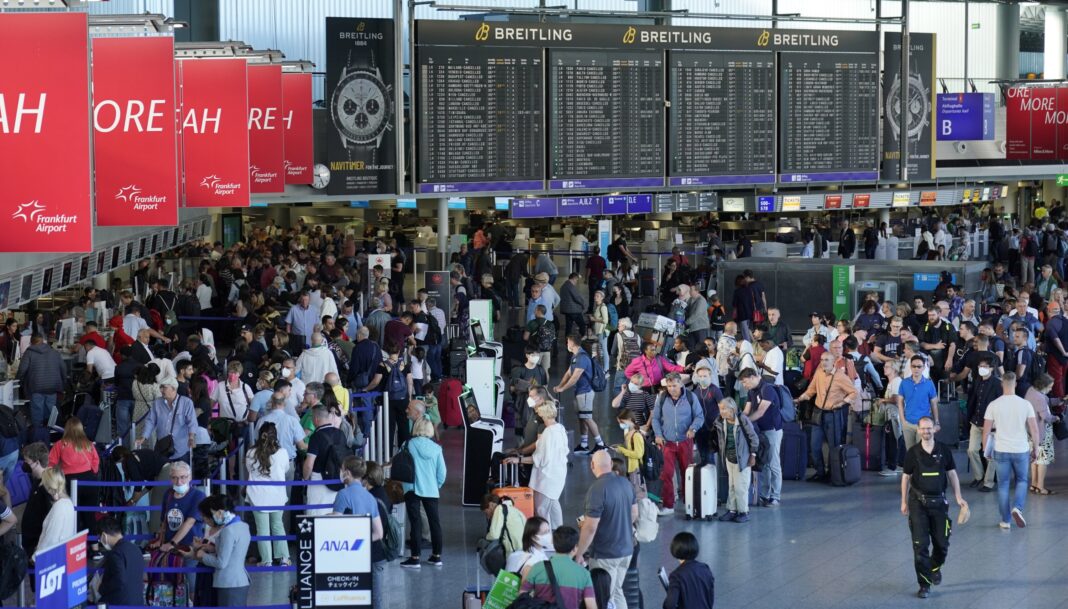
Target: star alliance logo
127 193
306 525
29 211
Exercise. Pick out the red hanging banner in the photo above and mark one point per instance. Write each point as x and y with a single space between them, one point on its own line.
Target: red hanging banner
299 133
215 132
46 201
265 136
134 132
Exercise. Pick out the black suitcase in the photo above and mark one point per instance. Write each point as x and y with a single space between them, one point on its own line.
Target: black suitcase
632 589
869 441
948 415
845 465
646 283
723 484
794 451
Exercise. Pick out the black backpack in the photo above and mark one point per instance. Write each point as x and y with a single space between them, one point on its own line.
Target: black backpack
111 496
433 331
613 252
332 467
403 469
9 423
652 462
13 564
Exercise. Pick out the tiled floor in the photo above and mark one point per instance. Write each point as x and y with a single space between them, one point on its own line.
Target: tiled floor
823 548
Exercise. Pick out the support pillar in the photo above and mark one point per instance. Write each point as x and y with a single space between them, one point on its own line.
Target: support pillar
443 232
1053 52
1007 42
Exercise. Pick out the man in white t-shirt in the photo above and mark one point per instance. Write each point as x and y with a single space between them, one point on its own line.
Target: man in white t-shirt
99 361
773 360
1008 423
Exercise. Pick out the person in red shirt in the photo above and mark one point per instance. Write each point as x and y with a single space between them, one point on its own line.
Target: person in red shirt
75 455
812 355
595 266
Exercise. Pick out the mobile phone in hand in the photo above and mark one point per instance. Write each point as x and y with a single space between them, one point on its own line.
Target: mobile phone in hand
663 575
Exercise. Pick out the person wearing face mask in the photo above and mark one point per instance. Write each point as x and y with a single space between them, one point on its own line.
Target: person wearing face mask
530 374
537 546
356 499
34 462
230 579
61 523
710 396
181 522
296 386
637 401
550 465
633 449
985 389
123 567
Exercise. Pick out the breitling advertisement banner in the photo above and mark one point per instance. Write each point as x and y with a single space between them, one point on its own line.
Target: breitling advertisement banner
44 128
361 147
215 132
297 122
265 135
134 132
914 121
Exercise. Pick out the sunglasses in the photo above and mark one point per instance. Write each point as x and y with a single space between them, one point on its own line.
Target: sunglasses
917 367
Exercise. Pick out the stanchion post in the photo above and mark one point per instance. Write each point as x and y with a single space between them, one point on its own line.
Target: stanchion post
21 598
74 493
222 473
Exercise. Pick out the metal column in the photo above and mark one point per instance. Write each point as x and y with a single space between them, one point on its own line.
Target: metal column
1007 62
443 232
1054 49
906 43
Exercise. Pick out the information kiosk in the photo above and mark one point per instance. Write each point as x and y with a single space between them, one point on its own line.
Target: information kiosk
483 436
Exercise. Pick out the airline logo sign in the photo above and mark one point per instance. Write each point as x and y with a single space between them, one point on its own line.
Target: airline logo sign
298 140
62 576
135 141
266 129
44 109
215 133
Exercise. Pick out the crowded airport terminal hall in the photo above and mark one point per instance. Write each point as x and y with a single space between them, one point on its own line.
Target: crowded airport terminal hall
529 304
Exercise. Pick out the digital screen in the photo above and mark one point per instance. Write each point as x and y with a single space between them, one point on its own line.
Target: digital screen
155 244
606 119
27 287
481 119
141 247
130 251
829 110
46 280
765 204
501 203
5 294
115 256
457 203
101 260
83 270
406 204
480 336
734 204
64 277
722 117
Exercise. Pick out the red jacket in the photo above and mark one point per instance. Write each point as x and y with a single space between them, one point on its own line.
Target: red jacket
71 460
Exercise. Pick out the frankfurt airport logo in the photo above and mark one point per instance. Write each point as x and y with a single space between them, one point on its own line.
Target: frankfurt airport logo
293 169
764 38
33 213
482 34
628 36
132 194
261 176
219 188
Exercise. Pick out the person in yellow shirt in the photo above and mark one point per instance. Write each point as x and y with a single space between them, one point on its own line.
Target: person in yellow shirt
633 449
340 392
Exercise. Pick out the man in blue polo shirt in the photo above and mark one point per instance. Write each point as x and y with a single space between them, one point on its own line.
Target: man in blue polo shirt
916 398
578 375
764 410
356 500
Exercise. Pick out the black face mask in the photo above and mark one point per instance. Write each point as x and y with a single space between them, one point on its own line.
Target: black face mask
26 468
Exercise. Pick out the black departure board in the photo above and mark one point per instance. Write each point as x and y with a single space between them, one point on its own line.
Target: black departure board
481 119
606 119
722 117
829 110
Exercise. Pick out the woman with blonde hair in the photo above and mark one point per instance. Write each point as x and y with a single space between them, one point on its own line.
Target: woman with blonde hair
426 491
77 458
61 522
550 465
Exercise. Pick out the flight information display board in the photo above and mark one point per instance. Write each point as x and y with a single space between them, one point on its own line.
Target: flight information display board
722 118
829 108
606 119
481 117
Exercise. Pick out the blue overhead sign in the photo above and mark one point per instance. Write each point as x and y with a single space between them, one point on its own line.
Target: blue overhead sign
927 282
534 208
965 116
766 204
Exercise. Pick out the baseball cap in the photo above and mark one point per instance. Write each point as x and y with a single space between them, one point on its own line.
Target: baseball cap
170 381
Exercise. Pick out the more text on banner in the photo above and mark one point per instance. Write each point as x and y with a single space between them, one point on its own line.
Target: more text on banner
134 143
45 190
265 130
215 132
299 132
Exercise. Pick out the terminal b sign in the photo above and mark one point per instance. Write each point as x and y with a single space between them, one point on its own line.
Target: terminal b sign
214 127
135 139
45 192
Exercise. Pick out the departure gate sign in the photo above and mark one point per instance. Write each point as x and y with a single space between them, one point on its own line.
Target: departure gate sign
134 141
44 129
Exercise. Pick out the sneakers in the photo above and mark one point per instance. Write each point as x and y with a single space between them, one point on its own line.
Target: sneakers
887 473
743 517
729 516
924 592
772 503
1017 517
598 447
666 511
411 563
434 560
936 577
986 489
581 449
1004 525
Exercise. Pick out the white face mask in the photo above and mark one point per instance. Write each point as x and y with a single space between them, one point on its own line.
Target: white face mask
532 402
544 540
534 359
633 388
984 371
704 381
287 372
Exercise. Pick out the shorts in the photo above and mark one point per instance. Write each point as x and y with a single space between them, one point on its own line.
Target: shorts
584 405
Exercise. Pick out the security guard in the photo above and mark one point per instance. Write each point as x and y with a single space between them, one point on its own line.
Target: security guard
928 467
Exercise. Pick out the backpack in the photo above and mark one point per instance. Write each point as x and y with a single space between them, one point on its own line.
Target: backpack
652 462
9 423
543 338
396 384
112 496
1030 248
646 528
332 467
1049 243
13 564
155 320
392 538
632 347
403 469
598 378
786 403
613 316
1062 246
433 330
613 252
170 318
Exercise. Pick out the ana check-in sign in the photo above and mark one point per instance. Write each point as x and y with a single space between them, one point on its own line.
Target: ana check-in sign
334 562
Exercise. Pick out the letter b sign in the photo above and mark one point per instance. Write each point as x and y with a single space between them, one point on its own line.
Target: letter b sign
947 127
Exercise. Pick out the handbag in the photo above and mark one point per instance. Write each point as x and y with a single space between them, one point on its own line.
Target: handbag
1060 428
165 445
817 413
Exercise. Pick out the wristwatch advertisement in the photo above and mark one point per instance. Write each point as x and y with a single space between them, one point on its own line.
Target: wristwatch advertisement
911 123
360 94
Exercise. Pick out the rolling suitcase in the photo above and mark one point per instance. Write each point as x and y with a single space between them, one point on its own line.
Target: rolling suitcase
845 465
646 283
869 441
948 415
723 485
522 496
700 494
794 451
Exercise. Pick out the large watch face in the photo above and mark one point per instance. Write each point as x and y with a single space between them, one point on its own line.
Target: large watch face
361 106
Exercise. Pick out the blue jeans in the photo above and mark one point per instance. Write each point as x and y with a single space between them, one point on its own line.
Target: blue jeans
831 429
41 405
123 418
433 357
1009 464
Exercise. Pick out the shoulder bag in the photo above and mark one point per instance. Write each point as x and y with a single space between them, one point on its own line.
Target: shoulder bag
165 445
528 601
